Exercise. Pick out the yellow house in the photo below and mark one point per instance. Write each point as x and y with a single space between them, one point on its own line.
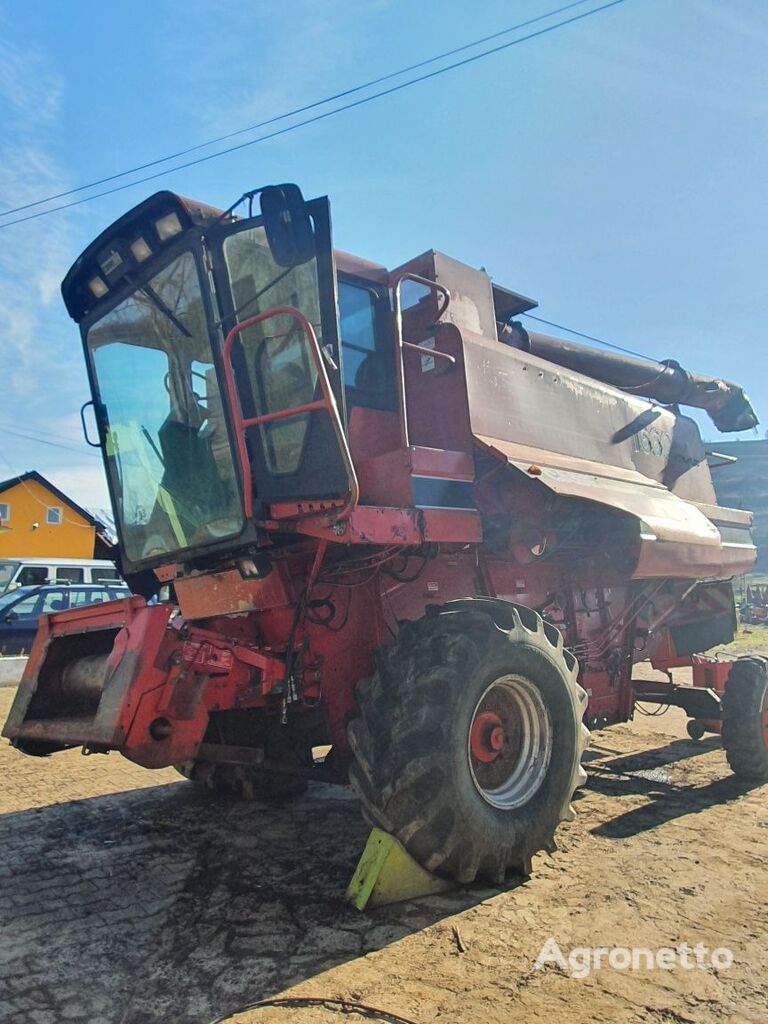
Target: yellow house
37 520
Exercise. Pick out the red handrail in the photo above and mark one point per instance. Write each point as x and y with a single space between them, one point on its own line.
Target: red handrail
327 402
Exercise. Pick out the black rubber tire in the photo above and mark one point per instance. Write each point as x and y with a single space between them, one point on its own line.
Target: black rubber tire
744 704
241 781
411 768
695 730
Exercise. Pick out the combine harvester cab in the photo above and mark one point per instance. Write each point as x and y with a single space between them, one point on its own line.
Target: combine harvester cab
395 523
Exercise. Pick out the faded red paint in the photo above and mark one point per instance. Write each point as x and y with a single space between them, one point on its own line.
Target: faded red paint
496 474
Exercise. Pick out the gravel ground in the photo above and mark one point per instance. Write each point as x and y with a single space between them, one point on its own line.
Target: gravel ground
131 897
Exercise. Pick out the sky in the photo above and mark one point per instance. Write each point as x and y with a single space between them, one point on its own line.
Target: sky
614 169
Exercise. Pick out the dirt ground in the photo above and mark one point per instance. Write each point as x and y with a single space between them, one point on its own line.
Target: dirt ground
132 897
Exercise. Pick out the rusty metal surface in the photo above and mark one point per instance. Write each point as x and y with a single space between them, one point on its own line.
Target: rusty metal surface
371 524
83 679
348 263
226 593
587 440
229 754
677 538
471 307
666 516
666 381
520 398
112 615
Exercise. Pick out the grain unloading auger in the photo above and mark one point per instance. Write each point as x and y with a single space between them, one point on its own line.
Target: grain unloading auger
394 524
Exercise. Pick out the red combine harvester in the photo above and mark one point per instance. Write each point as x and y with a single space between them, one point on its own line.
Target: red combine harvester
394 522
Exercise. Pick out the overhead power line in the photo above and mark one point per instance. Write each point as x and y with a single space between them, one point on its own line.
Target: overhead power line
292 113
590 337
321 116
32 430
53 444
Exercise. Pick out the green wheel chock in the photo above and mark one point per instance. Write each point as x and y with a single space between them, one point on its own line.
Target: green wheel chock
386 873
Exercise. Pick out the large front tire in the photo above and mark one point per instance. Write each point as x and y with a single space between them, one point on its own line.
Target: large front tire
469 742
745 719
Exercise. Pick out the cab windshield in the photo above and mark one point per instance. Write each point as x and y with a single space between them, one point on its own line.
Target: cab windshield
168 451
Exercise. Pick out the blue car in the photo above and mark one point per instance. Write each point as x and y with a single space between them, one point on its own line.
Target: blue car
20 609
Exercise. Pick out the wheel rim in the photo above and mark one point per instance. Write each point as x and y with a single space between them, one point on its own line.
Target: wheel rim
764 714
509 746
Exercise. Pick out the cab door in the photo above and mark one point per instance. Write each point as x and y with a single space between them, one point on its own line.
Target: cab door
284 367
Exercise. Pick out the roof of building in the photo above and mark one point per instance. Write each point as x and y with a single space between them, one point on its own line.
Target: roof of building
757 449
106 523
32 474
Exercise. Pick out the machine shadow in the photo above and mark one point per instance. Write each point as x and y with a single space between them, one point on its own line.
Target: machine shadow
642 774
675 803
168 904
671 753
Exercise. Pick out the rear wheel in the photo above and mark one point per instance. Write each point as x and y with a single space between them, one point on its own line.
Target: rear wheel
745 719
696 730
469 742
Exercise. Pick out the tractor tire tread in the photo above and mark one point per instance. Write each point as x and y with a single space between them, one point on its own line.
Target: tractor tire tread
401 728
743 701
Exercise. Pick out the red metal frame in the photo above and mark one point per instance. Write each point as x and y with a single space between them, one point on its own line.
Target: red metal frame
327 403
711 674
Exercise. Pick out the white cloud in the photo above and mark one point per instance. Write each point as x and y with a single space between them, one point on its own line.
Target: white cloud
30 90
33 256
304 60
86 485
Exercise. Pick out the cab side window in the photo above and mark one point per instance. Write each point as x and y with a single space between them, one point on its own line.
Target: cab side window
367 353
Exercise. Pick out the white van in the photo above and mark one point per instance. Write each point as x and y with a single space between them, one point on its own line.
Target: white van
23 572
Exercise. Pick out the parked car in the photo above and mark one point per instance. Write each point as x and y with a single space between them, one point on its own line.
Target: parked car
28 572
21 609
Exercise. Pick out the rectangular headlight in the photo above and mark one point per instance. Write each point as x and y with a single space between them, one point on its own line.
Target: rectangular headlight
140 250
168 226
98 287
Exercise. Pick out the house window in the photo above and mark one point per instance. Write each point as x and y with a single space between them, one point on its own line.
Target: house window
54 516
5 511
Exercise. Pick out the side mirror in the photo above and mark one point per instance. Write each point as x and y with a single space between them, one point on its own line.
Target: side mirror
288 225
11 617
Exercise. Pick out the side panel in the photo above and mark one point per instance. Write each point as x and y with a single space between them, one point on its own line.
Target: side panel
518 397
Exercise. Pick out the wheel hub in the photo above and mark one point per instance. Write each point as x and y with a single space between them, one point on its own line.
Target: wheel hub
487 737
510 742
